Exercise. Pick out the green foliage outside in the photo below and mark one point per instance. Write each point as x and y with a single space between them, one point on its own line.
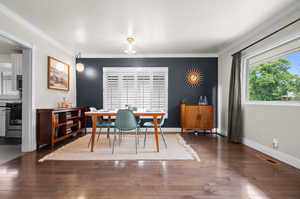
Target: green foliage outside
272 81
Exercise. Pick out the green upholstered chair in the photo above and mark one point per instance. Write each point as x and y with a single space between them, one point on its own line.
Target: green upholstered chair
125 121
101 123
151 125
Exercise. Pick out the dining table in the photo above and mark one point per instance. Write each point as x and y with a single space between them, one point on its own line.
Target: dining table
109 114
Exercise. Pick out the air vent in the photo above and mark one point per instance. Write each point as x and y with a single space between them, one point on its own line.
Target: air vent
268 159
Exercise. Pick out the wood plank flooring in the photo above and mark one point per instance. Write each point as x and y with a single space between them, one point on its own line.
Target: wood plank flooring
226 171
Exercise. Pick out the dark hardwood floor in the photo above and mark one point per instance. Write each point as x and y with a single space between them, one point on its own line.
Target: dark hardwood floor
226 171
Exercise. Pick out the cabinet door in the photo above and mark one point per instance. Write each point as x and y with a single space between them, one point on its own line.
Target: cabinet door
191 117
206 117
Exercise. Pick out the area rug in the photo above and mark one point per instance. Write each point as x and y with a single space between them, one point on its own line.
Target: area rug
176 149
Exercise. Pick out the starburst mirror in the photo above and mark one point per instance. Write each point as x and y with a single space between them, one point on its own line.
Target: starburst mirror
193 77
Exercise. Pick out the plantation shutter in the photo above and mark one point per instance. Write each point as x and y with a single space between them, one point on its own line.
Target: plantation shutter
145 88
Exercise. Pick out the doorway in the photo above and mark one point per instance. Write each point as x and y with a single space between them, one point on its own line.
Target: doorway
16 108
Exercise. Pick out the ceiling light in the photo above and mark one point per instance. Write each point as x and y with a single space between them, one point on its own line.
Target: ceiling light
130 50
79 66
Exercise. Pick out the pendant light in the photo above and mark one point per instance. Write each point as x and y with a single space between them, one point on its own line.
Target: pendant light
130 50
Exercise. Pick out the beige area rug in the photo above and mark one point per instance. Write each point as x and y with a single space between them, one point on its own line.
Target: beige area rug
78 150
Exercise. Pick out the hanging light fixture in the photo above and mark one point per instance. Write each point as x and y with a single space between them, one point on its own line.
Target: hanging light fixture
79 66
130 50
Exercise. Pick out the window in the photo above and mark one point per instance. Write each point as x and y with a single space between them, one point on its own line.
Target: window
274 75
6 82
145 88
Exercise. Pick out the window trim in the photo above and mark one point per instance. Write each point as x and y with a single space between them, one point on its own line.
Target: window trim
245 78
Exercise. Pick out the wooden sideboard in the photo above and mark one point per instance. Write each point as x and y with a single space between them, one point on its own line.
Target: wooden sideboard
54 125
196 117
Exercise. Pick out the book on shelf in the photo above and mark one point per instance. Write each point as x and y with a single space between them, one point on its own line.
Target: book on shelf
56 118
68 115
70 122
68 131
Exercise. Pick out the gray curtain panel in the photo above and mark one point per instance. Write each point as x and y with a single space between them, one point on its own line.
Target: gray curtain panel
235 123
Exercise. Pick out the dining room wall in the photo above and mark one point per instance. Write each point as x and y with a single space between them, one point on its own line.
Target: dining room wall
90 82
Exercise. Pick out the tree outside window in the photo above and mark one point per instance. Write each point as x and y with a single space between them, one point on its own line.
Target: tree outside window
276 80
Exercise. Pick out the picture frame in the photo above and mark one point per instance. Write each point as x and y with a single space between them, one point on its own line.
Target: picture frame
58 74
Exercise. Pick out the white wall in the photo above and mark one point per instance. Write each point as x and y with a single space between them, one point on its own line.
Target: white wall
43 47
5 58
262 123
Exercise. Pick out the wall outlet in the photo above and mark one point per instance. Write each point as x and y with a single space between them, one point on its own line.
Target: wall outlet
275 143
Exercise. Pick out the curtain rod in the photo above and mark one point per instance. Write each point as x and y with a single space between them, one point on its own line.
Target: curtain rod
269 35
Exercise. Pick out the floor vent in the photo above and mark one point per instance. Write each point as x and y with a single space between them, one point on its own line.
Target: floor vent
268 159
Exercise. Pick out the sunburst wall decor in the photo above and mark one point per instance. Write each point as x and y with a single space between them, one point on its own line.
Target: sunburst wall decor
193 77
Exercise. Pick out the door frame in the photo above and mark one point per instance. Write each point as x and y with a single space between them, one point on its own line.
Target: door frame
28 98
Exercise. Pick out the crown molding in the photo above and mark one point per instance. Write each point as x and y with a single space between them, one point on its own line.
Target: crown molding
263 29
16 17
195 55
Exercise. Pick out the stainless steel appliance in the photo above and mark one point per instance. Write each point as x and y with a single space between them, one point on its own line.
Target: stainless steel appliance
13 120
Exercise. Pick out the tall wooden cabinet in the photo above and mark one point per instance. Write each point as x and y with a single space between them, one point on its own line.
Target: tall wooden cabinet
196 117
54 125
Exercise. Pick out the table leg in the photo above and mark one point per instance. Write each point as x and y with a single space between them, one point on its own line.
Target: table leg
156 132
94 118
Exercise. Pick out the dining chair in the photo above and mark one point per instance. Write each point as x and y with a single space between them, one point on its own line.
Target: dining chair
101 123
151 125
138 118
125 121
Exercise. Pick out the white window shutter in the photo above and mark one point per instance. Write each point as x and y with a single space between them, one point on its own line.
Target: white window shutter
145 88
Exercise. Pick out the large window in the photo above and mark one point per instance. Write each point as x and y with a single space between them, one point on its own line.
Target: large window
274 75
142 87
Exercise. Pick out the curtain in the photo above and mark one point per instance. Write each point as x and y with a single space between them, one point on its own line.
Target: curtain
235 123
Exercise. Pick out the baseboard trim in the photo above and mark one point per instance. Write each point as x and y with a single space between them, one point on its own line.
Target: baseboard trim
286 158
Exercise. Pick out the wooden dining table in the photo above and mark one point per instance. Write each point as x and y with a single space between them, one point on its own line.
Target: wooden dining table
109 114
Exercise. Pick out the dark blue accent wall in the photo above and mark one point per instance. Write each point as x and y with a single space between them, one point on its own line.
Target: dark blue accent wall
90 84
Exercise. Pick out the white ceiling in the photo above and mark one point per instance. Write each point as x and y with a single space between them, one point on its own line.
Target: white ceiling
100 27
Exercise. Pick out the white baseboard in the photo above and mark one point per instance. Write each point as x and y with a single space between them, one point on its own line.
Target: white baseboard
286 158
175 129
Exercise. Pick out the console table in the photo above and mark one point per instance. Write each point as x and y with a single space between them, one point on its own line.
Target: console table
54 125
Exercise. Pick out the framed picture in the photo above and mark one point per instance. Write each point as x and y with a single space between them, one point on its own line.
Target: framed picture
58 74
